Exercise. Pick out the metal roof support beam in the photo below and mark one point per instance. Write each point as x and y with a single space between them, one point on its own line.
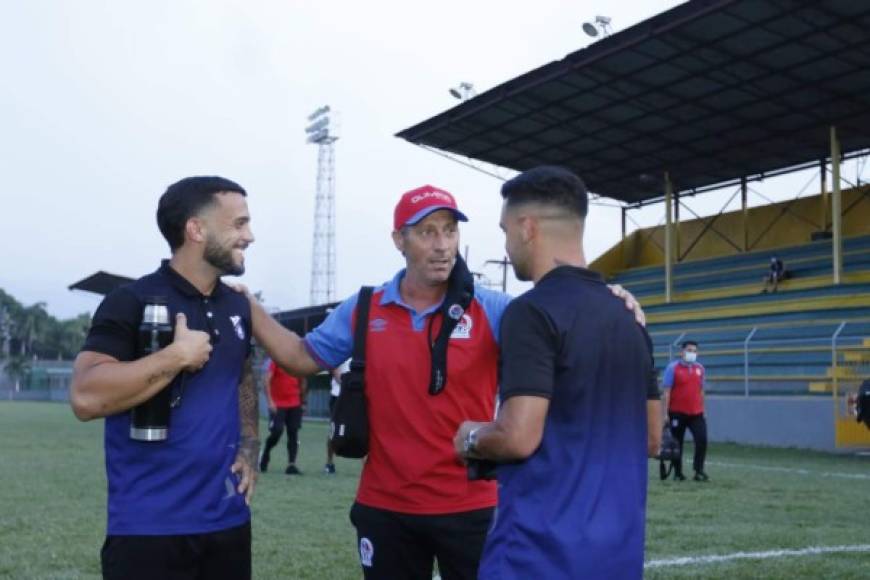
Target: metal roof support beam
836 208
864 190
624 228
649 236
751 177
745 213
823 177
677 256
786 208
624 254
669 241
708 226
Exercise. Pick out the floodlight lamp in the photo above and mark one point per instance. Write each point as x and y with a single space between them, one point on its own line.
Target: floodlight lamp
464 91
321 123
601 23
318 136
319 112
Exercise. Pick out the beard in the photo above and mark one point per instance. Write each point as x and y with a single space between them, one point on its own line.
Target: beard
521 274
222 258
520 271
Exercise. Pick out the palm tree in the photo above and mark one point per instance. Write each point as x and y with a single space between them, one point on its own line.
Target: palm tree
71 334
17 367
31 326
5 331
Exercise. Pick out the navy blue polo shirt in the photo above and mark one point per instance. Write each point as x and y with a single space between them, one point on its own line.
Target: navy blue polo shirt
182 485
576 507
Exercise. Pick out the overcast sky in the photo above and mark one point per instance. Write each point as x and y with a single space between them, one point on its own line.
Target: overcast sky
105 103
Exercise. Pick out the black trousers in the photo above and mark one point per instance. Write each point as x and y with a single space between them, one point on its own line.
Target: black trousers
397 546
223 555
291 420
698 426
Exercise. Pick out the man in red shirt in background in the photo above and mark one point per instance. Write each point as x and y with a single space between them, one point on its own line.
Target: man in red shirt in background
285 395
684 399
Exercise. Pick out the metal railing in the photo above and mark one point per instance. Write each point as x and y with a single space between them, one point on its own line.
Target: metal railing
753 343
746 360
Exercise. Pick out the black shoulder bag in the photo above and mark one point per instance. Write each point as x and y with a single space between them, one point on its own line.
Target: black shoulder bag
669 455
349 426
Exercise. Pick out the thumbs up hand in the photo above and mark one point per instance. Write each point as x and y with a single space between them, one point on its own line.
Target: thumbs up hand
192 346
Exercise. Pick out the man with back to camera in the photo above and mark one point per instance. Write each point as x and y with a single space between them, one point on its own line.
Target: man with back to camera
178 508
414 503
683 384
285 397
571 431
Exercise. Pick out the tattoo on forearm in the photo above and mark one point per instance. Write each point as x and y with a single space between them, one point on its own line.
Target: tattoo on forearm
249 414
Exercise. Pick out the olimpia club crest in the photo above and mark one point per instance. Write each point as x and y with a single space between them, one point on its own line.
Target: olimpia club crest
463 327
237 326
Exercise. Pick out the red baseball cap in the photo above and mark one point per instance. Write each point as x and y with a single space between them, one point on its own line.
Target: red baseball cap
418 203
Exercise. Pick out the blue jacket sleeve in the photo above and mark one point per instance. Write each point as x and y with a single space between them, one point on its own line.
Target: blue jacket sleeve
668 379
331 343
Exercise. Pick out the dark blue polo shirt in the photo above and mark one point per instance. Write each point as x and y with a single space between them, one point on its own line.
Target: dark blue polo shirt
182 485
576 507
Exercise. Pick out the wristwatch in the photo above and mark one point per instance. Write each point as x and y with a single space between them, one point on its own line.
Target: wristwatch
470 443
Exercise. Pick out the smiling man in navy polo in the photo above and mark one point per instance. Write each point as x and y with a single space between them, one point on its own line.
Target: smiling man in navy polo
571 429
178 508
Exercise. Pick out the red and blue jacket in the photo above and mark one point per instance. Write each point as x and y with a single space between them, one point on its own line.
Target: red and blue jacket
412 466
686 383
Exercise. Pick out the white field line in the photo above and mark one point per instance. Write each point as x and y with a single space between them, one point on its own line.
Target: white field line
713 559
794 470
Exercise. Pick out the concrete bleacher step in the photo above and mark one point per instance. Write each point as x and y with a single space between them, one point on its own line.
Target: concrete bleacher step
821 387
757 260
857 356
839 297
842 372
751 289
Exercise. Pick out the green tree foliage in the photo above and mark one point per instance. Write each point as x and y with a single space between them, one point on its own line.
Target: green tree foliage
30 331
18 368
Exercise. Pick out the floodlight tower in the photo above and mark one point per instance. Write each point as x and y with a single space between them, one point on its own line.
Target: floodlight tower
322 132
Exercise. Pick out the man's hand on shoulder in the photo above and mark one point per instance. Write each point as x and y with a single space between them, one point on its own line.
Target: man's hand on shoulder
631 302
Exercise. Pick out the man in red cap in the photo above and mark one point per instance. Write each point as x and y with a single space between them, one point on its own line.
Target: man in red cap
415 502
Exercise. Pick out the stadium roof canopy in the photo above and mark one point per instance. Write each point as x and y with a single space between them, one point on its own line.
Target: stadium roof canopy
710 91
302 320
100 283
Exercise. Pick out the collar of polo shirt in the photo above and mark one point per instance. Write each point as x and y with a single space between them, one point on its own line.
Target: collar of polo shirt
181 284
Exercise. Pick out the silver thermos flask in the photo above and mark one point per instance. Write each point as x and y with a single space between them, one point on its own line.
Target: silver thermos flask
149 421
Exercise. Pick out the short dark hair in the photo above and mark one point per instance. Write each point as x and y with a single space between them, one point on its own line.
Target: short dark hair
689 343
186 198
551 185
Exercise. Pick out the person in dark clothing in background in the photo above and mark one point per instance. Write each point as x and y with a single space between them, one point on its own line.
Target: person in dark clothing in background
775 275
285 395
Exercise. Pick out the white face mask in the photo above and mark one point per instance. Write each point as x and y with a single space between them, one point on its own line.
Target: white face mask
690 357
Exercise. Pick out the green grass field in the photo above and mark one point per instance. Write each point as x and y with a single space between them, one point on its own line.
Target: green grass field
52 509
